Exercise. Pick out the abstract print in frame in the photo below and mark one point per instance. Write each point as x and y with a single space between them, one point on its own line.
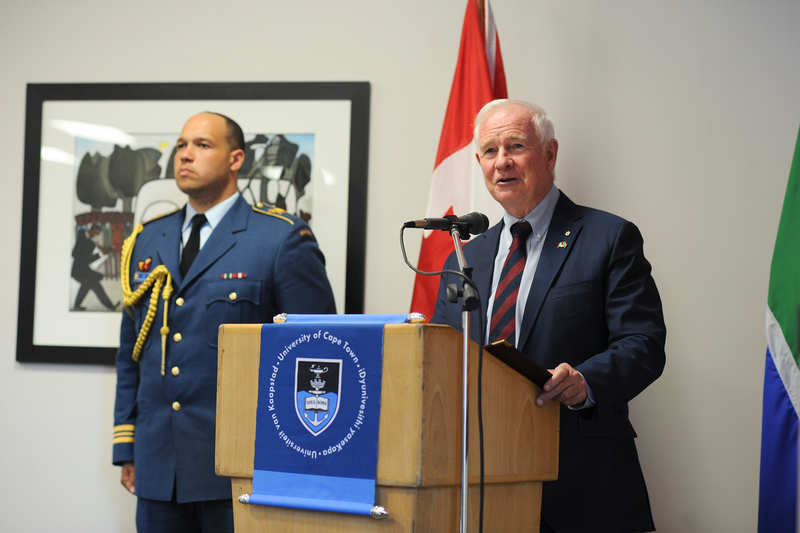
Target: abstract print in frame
108 148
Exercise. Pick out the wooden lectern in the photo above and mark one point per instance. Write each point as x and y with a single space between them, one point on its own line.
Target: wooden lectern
419 443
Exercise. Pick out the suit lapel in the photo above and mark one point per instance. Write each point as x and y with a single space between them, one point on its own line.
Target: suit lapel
561 234
483 251
169 249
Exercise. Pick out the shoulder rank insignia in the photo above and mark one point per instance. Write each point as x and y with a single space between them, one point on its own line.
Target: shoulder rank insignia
271 210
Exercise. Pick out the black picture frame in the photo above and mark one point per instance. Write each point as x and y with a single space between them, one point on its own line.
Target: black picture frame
38 95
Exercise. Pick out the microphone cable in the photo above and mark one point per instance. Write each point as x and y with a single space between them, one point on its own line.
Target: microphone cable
479 399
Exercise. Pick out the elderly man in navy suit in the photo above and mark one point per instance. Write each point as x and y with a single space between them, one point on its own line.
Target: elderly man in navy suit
218 260
571 288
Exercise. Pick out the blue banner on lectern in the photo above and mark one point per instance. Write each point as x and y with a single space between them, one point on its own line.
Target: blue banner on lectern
318 405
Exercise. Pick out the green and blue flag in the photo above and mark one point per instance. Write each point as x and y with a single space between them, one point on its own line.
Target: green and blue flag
778 494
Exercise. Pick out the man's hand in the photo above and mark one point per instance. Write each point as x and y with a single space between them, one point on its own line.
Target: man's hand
128 477
565 386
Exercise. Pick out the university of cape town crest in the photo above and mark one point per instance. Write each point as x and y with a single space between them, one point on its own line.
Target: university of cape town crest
317 392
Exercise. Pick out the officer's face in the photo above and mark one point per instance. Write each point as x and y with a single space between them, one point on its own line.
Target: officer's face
205 166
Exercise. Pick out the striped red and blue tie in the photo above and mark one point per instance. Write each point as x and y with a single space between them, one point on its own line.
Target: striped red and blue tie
504 310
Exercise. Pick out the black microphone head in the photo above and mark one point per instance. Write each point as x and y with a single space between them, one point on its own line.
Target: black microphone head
477 222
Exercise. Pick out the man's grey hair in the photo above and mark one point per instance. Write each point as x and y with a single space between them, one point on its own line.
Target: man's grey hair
545 130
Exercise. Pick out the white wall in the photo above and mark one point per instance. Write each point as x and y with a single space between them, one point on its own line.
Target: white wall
681 116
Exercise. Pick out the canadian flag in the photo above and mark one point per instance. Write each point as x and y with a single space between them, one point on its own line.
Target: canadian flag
457 186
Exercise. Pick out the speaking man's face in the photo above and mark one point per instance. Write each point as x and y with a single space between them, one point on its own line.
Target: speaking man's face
517 169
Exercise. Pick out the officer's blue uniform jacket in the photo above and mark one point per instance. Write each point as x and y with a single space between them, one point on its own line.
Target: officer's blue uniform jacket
253 266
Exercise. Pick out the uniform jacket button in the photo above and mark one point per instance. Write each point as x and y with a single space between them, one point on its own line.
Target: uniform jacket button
177 337
175 370
176 406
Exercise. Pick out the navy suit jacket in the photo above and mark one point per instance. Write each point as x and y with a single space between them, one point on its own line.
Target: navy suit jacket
174 415
593 304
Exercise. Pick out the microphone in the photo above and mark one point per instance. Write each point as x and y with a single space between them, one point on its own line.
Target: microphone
476 223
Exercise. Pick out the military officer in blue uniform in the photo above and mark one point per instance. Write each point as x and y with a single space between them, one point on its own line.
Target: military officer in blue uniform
250 263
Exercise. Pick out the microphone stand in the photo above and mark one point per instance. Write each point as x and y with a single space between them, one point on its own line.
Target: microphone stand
470 302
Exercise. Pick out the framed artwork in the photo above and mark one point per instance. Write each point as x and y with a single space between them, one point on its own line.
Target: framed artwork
98 161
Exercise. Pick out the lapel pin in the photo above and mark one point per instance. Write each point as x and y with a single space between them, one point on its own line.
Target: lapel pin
567 233
144 266
562 244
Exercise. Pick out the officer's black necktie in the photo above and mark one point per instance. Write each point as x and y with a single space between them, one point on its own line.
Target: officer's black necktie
193 245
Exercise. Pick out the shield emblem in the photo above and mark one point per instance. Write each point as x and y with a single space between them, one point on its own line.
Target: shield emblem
317 392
